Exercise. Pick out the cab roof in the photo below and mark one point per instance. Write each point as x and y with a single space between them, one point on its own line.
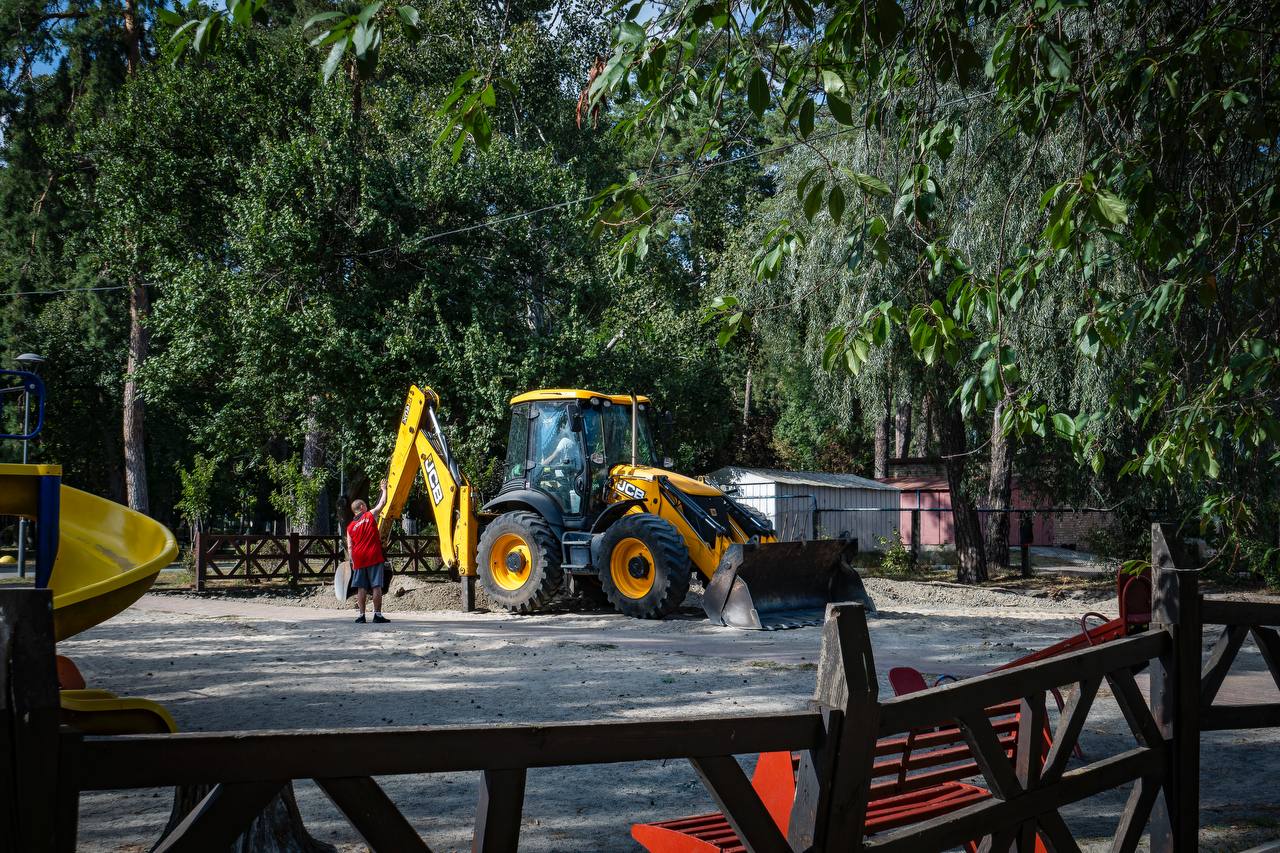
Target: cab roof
573 394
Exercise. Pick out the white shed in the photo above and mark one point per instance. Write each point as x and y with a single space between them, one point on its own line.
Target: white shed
816 505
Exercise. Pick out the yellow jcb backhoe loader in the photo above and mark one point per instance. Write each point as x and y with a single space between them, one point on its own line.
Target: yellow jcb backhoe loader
587 506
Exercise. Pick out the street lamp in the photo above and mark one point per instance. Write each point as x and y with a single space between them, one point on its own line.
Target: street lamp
28 361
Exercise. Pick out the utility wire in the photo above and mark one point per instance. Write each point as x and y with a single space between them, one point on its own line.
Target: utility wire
525 214
489 223
74 290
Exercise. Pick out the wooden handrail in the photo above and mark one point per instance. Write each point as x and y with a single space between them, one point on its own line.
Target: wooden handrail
940 705
145 761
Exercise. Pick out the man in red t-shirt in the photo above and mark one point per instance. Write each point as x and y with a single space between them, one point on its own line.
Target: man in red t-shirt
364 549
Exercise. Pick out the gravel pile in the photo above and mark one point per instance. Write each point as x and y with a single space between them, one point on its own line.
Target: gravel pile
888 594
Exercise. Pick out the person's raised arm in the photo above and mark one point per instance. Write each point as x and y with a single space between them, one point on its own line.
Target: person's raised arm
382 499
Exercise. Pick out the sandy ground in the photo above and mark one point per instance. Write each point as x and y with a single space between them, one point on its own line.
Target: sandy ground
221 662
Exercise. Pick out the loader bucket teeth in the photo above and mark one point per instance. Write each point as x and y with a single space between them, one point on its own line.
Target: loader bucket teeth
777 585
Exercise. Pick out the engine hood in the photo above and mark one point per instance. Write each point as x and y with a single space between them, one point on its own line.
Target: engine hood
688 485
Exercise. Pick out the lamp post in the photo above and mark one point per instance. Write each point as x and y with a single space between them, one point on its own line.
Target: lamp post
28 361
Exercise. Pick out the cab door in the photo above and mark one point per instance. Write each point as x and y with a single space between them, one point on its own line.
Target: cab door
555 461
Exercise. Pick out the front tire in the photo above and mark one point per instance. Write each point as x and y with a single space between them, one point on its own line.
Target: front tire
646 569
519 562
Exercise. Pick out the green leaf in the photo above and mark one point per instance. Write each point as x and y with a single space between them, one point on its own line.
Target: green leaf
840 110
871 184
835 204
367 13
813 201
758 93
1112 207
807 110
335 56
1057 58
409 20
1064 425
631 33
362 38
832 83
323 16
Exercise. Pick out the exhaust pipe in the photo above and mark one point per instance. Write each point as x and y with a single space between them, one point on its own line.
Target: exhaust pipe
775 585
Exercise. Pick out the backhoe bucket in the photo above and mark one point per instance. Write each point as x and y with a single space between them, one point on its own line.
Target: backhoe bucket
777 585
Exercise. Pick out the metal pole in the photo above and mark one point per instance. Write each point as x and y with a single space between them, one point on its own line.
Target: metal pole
22 522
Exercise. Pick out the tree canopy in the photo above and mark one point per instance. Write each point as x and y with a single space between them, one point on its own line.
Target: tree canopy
1041 226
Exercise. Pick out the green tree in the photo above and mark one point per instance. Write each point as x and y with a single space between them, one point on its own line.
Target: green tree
1173 115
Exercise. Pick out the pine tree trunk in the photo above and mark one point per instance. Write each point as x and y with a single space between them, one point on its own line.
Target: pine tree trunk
278 829
971 564
999 492
902 430
313 456
135 453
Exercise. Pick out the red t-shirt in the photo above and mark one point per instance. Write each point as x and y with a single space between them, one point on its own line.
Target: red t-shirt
366 545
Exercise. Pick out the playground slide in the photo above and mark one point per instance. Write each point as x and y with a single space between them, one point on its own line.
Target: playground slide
108 556
104 557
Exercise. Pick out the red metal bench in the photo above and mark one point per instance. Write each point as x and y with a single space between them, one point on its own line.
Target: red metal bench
915 777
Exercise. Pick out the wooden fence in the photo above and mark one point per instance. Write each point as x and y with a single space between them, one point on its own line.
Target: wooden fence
48 767
236 559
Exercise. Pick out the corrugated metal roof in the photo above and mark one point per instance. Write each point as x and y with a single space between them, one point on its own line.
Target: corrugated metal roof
801 478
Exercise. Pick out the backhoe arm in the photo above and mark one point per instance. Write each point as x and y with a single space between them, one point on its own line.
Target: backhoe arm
421 444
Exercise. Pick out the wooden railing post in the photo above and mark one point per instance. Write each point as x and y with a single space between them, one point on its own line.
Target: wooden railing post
833 785
201 562
29 745
295 548
1175 692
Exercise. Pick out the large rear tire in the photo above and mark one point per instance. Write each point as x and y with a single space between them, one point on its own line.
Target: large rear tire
519 562
646 567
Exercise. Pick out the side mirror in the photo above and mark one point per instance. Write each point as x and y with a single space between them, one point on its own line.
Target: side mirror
668 462
576 423
597 458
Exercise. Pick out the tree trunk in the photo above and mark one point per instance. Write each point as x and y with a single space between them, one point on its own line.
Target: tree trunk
356 487
880 465
999 492
925 429
313 454
278 829
132 37
135 453
902 430
746 400
971 564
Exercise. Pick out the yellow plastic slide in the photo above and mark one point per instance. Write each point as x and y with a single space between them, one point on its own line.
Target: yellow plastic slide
107 557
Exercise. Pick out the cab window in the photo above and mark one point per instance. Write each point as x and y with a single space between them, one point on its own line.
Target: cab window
518 443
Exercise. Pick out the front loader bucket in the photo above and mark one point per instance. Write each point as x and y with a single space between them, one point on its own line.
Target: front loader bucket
777 585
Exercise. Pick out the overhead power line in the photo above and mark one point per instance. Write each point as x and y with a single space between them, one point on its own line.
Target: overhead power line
74 290
495 221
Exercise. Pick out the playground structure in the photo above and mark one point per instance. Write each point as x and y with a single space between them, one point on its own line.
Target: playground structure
97 557
587 506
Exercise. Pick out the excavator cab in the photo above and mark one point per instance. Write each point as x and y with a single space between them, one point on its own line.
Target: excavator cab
564 449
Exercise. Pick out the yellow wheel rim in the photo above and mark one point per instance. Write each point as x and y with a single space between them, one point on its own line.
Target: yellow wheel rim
631 568
509 561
